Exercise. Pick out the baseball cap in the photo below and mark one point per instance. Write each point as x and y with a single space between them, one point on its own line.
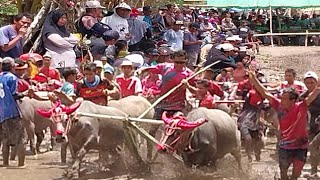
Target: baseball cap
110 35
47 55
163 8
123 5
98 63
164 51
147 8
194 25
311 74
152 51
8 60
136 59
178 23
225 47
108 69
93 4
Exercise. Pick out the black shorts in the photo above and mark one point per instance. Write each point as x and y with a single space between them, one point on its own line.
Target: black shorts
289 156
12 131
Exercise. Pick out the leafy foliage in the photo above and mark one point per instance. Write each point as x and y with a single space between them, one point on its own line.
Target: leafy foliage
8 7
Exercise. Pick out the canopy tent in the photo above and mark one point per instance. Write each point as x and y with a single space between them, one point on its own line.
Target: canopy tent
250 4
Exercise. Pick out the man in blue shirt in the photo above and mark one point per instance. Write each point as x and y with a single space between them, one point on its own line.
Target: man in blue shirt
10 119
11 36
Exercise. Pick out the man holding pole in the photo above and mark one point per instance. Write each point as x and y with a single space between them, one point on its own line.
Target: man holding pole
172 75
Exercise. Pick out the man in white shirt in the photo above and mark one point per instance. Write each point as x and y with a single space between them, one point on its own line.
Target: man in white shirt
174 37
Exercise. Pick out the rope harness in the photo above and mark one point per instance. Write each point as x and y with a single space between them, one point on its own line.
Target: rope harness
177 144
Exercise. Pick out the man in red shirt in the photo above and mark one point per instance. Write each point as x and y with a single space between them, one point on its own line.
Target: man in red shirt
292 125
129 84
50 72
172 75
290 76
20 71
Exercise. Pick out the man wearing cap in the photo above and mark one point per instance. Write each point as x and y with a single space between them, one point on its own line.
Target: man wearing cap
172 75
164 53
147 16
88 23
311 82
158 20
50 72
10 119
20 72
290 76
90 27
129 84
152 56
192 45
140 32
118 20
174 36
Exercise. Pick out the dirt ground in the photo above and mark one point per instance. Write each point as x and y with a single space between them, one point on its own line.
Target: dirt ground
273 60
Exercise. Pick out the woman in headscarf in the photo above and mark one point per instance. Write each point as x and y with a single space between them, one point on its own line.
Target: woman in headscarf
58 41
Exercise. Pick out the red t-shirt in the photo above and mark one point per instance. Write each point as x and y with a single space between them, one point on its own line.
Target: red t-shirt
171 78
129 86
150 86
215 89
207 102
255 98
243 88
50 72
297 85
23 85
293 125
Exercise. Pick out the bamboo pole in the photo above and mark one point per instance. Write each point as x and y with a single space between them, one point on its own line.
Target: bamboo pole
122 118
306 39
287 34
271 31
175 88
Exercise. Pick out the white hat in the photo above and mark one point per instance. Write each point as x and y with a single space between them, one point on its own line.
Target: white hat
136 59
126 63
237 38
47 55
243 49
311 74
93 4
225 47
98 63
231 38
123 5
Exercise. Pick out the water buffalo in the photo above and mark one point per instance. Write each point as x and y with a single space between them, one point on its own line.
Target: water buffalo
202 137
34 123
85 133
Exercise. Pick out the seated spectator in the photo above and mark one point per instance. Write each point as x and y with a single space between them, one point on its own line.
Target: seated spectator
243 28
118 50
252 42
50 72
152 56
58 41
164 55
206 26
228 26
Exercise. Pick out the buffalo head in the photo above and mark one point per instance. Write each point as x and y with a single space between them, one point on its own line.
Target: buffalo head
59 113
177 132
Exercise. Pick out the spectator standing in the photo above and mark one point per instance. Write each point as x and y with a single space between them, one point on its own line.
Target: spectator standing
58 41
10 120
192 45
118 20
11 36
174 37
147 16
